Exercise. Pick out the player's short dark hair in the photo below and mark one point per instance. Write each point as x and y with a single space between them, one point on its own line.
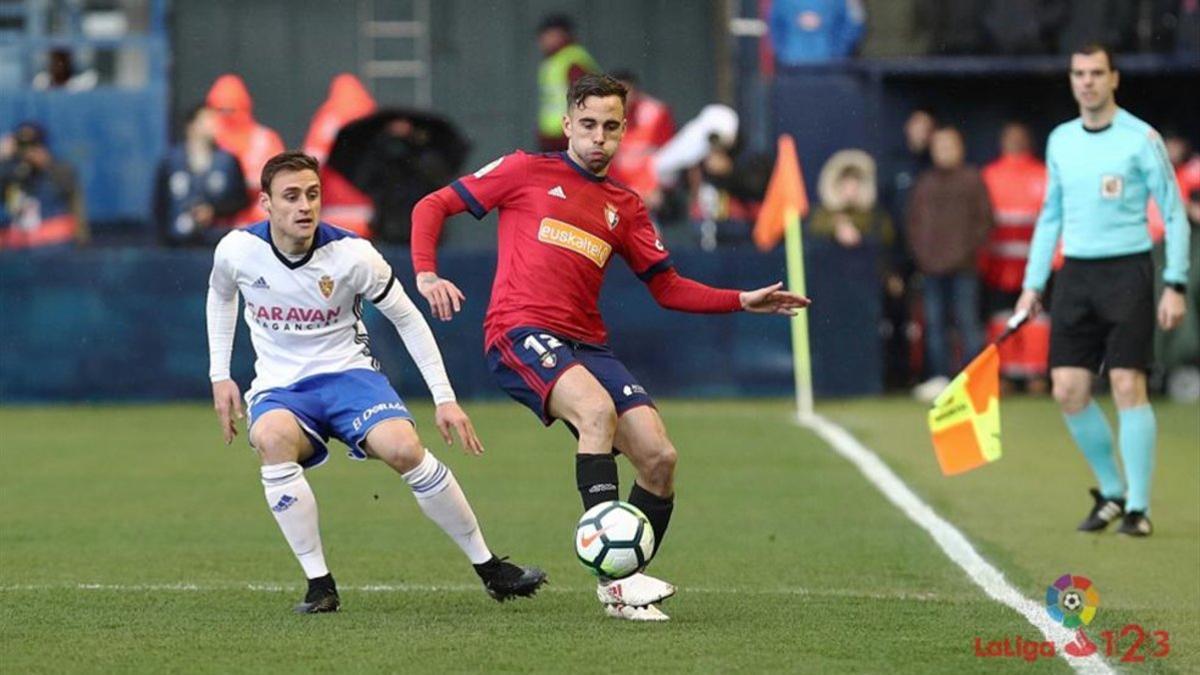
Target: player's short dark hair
1089 48
292 160
594 85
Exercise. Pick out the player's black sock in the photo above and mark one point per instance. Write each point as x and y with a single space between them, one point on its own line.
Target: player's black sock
657 510
596 477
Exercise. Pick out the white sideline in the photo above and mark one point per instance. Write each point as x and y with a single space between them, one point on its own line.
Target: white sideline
951 541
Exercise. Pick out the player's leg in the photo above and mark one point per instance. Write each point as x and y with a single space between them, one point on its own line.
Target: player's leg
642 438
578 399
370 417
1129 355
284 448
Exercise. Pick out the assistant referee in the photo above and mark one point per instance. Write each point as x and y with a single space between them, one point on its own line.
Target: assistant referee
1103 166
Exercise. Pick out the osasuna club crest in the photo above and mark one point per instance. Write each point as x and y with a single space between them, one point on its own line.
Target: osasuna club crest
610 216
325 283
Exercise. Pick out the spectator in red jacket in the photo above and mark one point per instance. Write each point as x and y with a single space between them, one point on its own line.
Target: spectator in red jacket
1016 184
348 100
648 126
240 135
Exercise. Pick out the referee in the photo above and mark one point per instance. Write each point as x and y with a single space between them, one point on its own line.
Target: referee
1103 166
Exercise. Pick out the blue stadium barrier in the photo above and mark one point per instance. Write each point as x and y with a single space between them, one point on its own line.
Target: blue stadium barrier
128 324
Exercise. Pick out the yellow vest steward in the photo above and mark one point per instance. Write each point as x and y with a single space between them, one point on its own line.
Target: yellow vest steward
553 85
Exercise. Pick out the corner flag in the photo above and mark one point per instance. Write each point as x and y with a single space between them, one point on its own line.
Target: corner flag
785 202
786 198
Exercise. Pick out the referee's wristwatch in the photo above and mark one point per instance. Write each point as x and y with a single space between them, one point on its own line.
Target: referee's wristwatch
1178 287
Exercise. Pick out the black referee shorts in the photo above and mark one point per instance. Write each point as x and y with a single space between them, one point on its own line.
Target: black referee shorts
1102 313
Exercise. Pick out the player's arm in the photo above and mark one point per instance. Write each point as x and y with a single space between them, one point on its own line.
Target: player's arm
1160 178
673 291
1045 238
221 321
643 250
428 218
477 194
391 300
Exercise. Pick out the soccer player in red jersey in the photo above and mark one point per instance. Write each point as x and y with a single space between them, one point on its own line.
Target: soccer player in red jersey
561 221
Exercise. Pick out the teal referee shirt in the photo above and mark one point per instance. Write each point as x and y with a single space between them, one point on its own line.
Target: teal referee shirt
1097 185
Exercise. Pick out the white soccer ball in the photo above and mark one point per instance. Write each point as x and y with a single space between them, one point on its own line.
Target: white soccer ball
614 540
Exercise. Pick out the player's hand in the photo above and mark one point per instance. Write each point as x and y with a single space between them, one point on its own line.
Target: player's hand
450 416
227 400
444 297
773 300
1171 309
1029 302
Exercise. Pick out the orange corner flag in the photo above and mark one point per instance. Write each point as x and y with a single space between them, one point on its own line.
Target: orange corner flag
786 197
965 419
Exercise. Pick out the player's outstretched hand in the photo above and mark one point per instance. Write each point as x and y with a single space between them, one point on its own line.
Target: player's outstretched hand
444 297
227 400
1171 309
450 416
773 300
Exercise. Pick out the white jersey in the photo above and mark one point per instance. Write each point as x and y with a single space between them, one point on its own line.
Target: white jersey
305 315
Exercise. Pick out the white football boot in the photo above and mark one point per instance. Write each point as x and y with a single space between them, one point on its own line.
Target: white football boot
630 613
638 590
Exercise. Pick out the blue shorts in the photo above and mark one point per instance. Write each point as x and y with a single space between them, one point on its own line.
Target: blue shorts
343 405
528 361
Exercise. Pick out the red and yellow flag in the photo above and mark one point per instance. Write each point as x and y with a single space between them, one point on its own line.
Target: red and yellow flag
786 197
965 419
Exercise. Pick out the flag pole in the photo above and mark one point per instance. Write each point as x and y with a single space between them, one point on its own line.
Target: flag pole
801 358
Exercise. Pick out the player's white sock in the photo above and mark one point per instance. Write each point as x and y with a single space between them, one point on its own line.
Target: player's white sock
443 501
295 508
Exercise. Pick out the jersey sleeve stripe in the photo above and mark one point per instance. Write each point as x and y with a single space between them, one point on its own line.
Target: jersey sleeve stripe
386 289
473 204
660 266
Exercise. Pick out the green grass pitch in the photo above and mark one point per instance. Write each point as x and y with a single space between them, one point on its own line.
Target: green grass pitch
133 540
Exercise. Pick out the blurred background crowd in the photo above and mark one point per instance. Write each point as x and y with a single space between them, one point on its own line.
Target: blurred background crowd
920 125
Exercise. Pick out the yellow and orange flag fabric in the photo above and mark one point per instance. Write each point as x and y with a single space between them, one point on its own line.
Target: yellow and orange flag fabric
786 200
965 419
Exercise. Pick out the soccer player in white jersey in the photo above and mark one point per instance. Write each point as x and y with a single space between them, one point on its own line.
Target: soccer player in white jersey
303 282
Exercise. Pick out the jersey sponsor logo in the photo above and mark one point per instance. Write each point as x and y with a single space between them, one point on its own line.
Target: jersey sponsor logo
487 168
557 191
260 282
1111 185
293 318
610 216
325 283
564 235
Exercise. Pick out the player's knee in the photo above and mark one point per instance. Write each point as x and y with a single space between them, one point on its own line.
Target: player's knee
277 443
402 454
663 459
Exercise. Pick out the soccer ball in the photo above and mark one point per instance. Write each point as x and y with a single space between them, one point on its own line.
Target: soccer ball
614 540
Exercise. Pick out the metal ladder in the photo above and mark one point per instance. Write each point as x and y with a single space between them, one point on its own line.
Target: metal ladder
394 48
